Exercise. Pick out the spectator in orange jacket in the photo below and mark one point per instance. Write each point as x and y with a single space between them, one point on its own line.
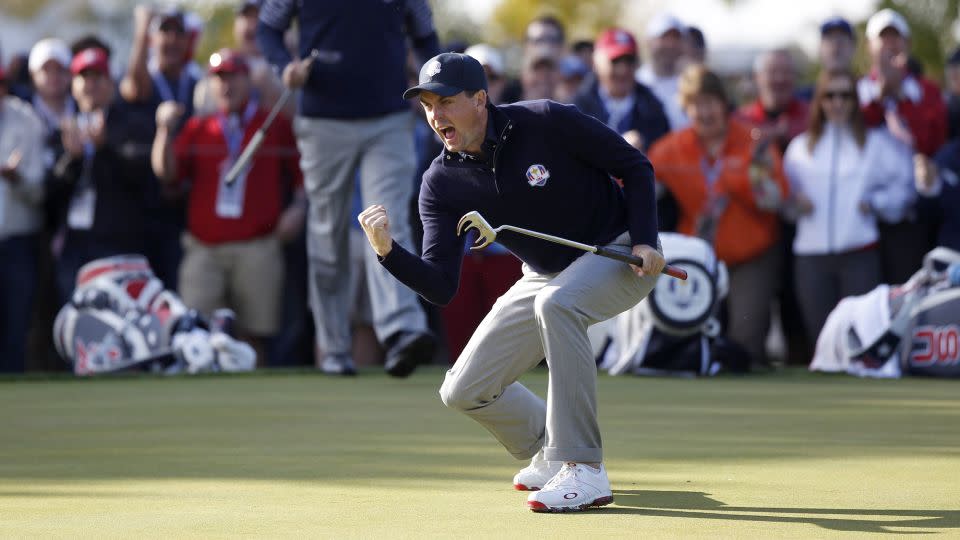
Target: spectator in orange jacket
728 189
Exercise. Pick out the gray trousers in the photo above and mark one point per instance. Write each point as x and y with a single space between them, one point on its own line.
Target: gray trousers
827 279
333 155
544 316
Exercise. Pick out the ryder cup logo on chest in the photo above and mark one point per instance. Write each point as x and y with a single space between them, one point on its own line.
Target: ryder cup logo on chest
537 175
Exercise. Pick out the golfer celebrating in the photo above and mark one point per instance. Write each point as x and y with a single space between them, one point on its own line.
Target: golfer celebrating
547 167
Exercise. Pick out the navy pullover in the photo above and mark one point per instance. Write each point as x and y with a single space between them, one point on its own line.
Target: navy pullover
944 208
361 68
548 168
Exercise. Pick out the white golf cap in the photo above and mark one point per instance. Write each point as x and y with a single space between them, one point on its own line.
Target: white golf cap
661 23
887 18
488 56
46 50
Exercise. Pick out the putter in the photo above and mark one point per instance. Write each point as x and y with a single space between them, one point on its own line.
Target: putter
487 234
257 138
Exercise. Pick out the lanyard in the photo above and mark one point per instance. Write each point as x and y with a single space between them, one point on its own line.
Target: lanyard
711 171
233 128
183 96
89 150
50 118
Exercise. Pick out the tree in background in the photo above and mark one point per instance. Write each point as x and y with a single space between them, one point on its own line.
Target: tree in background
582 18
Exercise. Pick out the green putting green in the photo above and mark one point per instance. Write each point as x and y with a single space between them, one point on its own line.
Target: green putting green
294 454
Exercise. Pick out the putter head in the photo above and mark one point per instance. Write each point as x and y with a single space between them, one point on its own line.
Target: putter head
485 233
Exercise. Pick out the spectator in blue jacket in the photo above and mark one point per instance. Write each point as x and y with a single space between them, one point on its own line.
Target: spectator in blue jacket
351 118
938 186
612 96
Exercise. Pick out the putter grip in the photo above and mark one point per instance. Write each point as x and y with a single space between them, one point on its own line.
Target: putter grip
672 271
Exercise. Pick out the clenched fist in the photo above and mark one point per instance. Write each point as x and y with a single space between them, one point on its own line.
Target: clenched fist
168 115
376 224
296 73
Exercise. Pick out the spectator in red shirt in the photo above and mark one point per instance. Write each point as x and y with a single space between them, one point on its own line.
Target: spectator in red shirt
232 249
911 106
913 110
777 111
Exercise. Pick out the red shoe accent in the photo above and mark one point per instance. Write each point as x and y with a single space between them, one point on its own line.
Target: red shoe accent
602 501
521 487
537 506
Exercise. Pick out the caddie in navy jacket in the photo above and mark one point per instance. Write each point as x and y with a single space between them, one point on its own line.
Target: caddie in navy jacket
547 167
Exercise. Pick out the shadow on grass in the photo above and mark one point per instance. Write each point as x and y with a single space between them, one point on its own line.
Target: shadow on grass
67 494
698 505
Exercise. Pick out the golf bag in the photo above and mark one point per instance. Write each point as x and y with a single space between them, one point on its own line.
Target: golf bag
909 329
675 329
121 318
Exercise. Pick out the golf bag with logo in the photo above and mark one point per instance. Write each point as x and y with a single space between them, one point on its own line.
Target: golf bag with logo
675 329
909 329
121 318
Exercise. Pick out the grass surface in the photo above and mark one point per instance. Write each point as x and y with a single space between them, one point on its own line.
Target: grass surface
301 455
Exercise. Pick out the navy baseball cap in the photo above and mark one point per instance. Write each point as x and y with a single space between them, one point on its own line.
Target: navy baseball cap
954 57
448 74
836 23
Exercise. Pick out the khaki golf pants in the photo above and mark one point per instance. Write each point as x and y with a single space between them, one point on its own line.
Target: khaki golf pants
335 155
544 315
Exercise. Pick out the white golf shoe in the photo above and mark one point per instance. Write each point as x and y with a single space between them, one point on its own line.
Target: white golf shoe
576 487
536 474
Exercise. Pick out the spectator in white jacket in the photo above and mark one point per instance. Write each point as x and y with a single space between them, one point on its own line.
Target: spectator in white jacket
21 197
845 178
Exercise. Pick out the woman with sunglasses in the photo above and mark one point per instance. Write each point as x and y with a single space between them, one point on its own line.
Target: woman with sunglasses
844 177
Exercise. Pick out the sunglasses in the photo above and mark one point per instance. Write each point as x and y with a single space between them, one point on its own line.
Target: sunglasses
830 94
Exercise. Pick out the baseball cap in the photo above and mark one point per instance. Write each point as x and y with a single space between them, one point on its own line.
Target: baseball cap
954 57
488 56
46 50
616 42
573 66
887 18
448 74
169 16
93 58
662 23
836 23
247 5
228 61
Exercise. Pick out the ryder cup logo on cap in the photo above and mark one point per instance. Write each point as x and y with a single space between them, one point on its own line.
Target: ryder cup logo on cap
448 74
537 175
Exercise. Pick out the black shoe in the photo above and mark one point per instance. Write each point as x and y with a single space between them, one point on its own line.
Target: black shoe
407 351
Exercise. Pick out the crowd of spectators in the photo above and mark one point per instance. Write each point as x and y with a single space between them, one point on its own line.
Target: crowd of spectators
808 194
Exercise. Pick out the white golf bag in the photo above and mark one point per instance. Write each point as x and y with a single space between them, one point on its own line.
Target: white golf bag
675 329
913 328
121 318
